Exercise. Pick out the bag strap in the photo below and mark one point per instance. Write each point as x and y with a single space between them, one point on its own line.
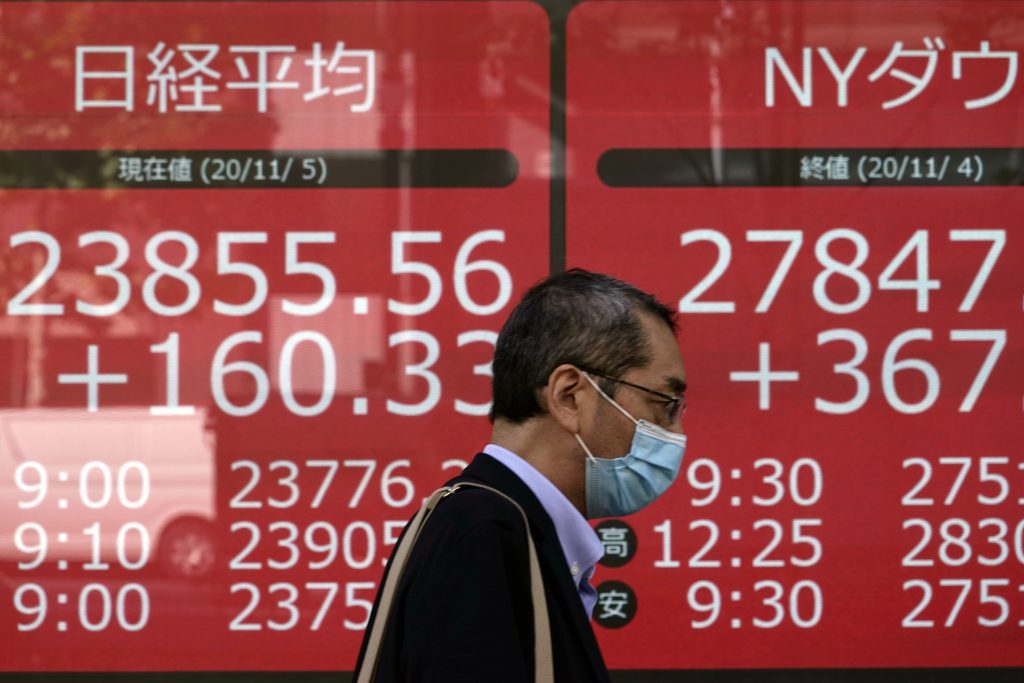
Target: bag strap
543 661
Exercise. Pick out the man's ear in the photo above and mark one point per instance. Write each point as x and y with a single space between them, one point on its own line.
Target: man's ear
564 394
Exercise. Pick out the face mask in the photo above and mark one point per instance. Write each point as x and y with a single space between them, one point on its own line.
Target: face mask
621 486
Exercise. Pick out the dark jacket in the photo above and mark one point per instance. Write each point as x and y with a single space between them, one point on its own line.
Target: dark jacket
462 611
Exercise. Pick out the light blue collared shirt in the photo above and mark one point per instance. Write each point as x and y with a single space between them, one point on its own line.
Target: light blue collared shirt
580 544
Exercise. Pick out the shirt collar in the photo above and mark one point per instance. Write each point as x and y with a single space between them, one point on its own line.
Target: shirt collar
580 544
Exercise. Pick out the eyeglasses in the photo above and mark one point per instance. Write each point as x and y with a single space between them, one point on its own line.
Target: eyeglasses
675 406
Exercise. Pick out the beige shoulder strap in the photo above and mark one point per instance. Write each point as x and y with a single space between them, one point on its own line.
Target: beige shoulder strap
543 663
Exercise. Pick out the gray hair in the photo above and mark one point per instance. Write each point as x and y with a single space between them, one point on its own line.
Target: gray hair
578 317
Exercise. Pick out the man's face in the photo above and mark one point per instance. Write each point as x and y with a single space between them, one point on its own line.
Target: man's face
613 432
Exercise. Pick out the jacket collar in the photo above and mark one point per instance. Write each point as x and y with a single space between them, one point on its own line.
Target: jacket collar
487 470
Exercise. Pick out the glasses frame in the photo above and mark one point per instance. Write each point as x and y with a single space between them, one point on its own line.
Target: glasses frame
677 402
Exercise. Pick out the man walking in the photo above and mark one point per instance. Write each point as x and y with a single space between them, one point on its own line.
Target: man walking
588 394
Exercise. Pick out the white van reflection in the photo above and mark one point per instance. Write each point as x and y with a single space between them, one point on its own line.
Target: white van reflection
119 488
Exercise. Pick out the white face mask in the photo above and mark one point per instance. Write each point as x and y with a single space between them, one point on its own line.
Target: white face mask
621 486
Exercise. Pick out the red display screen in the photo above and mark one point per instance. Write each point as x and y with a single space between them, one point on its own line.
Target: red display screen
826 191
255 258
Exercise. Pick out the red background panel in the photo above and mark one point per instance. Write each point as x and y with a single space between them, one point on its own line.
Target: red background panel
450 75
692 75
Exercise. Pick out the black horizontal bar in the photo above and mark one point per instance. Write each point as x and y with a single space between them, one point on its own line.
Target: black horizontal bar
952 675
264 169
812 167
